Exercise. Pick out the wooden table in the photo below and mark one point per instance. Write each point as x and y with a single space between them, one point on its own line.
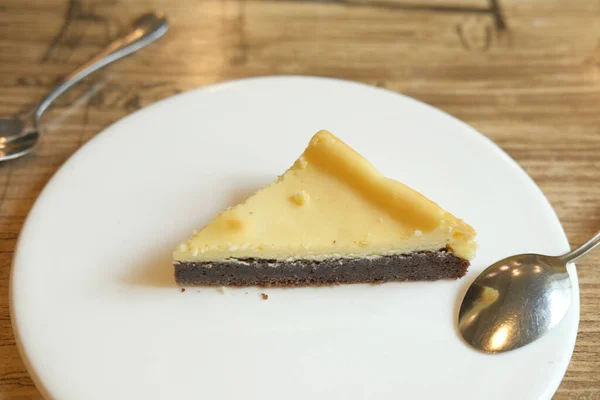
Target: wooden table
525 73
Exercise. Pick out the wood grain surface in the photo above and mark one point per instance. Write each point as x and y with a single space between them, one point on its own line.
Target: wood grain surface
526 73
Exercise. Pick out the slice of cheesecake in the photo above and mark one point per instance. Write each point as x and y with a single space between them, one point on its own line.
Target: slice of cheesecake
331 218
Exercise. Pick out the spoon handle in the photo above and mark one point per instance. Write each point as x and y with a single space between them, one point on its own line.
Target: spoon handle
582 250
146 30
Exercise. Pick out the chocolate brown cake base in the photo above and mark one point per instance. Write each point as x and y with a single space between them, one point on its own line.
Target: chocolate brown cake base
416 266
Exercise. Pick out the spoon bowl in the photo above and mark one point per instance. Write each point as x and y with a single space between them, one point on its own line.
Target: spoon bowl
514 302
11 127
18 136
17 146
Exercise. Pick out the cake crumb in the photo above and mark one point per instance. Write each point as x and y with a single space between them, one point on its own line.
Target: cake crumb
300 198
222 289
302 163
264 296
182 289
336 283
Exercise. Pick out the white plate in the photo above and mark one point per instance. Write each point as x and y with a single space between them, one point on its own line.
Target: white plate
98 315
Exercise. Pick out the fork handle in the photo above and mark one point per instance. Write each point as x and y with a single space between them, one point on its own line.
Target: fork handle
146 30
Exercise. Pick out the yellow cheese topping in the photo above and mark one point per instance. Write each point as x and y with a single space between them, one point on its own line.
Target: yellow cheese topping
330 203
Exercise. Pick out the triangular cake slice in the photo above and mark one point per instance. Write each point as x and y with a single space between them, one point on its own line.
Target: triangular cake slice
331 218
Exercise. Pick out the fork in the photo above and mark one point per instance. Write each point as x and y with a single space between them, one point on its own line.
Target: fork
19 135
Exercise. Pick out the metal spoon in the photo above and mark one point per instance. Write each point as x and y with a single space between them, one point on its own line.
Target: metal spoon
518 299
19 135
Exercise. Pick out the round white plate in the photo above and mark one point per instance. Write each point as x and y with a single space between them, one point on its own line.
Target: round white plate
98 315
